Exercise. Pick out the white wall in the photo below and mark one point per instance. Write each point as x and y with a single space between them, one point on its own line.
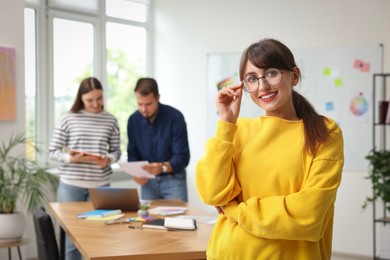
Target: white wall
12 35
187 30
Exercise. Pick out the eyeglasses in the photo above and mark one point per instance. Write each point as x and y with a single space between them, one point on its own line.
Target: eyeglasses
272 77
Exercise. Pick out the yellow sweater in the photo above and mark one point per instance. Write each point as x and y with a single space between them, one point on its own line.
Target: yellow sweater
279 201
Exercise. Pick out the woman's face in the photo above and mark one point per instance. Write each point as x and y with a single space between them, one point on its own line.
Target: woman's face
276 100
93 101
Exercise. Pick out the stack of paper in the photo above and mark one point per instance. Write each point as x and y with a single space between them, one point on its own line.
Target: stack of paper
136 169
171 224
99 213
167 211
179 223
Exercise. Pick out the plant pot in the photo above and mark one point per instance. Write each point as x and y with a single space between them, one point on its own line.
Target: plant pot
143 212
12 227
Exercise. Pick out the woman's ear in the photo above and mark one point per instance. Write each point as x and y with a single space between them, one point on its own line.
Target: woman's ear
296 76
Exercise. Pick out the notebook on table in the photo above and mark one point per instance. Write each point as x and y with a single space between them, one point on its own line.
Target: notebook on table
168 223
125 199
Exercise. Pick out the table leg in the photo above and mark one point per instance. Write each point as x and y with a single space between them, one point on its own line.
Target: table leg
20 255
62 243
9 253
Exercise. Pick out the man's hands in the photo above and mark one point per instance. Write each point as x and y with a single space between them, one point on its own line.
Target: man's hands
154 168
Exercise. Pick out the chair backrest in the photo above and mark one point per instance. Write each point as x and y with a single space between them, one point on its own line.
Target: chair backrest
45 236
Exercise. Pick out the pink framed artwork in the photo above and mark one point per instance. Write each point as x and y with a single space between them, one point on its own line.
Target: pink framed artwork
7 84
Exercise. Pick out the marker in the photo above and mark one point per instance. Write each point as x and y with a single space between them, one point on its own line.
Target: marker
135 227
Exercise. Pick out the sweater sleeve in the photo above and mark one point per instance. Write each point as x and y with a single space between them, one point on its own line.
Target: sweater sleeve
215 188
58 142
303 215
180 148
114 150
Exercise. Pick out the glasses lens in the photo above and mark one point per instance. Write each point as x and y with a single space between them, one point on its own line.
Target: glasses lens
273 77
251 83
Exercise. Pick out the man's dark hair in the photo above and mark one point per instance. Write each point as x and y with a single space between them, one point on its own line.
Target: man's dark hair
145 86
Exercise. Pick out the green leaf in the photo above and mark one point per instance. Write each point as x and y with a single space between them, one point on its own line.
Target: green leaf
21 179
379 174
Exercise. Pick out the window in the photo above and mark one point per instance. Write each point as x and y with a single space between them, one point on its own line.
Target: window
72 61
30 78
80 43
127 10
126 51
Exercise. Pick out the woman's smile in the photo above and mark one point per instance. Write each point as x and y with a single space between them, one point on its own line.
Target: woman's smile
268 97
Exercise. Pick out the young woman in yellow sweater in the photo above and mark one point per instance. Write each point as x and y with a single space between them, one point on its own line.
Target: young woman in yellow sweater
273 178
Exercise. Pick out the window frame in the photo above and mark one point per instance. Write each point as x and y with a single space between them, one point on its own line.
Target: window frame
45 16
54 14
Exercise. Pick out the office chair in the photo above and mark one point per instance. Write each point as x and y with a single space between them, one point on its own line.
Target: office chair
45 236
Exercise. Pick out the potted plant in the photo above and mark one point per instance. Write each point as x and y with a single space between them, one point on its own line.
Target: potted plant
143 210
379 163
23 181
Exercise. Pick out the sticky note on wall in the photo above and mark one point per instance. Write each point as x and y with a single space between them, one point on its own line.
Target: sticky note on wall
327 71
338 82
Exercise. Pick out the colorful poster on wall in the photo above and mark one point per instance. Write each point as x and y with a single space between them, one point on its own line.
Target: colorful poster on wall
7 84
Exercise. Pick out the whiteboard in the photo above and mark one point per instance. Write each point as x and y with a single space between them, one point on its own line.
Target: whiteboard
337 81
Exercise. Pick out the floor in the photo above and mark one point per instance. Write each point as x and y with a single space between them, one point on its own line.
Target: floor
341 256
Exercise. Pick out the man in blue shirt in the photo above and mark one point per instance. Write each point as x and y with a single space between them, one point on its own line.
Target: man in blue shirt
157 133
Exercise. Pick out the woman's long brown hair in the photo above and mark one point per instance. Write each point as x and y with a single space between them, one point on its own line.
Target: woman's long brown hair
86 85
270 53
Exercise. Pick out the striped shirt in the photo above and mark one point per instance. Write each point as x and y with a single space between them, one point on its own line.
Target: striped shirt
89 132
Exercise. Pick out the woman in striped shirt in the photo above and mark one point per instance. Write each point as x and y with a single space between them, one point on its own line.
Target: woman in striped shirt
86 143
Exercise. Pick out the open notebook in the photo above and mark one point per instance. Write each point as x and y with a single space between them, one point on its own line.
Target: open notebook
125 199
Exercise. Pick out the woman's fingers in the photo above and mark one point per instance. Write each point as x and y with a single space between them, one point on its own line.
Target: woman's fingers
228 102
220 209
231 90
229 93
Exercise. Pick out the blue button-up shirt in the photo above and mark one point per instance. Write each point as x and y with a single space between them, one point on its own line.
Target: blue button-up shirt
163 140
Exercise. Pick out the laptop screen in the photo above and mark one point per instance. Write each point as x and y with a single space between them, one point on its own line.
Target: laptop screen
126 199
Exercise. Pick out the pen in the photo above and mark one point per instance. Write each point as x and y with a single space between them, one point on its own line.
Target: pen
135 227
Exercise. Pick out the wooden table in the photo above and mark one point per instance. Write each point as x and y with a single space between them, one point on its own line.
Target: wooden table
95 240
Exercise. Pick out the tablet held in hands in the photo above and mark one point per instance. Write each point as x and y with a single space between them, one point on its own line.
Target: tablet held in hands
75 151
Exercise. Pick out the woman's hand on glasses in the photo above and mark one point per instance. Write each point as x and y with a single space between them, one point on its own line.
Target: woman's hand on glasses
228 102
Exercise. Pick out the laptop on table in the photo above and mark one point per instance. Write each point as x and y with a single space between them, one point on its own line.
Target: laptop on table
125 199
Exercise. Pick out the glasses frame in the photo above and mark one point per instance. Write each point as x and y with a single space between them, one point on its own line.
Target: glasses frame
246 89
